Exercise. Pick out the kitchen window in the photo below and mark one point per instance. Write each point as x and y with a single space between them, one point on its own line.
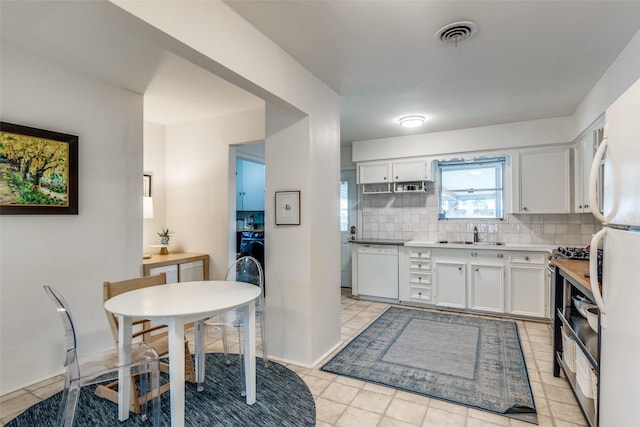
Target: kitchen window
471 188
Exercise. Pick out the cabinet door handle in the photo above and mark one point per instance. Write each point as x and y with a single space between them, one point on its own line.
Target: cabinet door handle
500 255
474 253
525 208
459 268
579 206
586 206
526 258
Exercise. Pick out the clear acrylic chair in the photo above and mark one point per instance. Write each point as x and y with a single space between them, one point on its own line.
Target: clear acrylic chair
104 367
245 269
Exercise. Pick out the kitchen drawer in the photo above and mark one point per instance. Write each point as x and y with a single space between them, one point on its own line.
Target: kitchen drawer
420 277
420 294
419 265
421 253
528 258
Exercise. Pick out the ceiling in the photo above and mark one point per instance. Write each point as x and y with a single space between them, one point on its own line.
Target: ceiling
528 60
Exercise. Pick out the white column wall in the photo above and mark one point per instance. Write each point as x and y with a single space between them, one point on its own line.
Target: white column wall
74 253
245 57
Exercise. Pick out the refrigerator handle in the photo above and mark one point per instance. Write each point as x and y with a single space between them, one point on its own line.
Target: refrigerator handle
593 270
593 181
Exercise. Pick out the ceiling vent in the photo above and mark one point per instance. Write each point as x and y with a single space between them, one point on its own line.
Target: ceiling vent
456 32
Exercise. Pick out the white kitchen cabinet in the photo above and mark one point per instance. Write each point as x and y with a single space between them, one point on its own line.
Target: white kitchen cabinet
374 173
542 181
584 150
450 276
415 276
528 293
486 287
410 170
250 185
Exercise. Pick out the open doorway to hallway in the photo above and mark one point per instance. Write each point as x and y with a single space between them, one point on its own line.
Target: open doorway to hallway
250 201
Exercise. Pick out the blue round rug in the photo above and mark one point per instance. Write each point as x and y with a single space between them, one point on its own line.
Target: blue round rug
282 399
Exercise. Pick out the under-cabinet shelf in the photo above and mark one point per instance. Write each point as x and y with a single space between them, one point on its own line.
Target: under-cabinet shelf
379 188
410 187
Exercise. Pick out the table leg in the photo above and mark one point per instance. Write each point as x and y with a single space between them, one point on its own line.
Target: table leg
176 370
124 358
250 351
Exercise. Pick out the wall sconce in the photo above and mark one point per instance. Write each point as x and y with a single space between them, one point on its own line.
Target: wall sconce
147 207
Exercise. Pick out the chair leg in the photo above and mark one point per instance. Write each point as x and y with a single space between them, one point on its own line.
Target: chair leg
154 392
200 343
223 333
69 404
243 391
263 333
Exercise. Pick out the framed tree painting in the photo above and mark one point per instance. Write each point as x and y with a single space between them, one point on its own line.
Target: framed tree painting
38 171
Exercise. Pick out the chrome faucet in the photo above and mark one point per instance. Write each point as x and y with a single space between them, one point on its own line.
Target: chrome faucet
475 235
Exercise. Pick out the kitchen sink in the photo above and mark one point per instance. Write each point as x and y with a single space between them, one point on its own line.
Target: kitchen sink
467 242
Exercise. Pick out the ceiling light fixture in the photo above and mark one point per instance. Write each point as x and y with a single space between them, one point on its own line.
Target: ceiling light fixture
411 121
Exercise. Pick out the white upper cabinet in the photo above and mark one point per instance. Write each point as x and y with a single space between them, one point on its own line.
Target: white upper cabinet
396 171
585 148
374 173
542 182
410 170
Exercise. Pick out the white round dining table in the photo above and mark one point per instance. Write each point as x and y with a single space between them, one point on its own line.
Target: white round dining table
175 305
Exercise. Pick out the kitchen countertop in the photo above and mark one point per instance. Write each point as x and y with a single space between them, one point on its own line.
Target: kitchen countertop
379 242
576 269
483 246
532 247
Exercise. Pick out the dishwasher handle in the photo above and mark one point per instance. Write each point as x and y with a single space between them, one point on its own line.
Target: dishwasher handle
378 249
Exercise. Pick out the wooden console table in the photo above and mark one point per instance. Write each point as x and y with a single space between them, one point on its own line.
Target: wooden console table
175 259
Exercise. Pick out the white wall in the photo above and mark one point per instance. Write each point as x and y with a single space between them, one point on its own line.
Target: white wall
154 164
74 253
509 135
622 73
245 57
197 182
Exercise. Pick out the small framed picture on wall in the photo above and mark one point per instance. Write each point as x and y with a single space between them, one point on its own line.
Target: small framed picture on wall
287 207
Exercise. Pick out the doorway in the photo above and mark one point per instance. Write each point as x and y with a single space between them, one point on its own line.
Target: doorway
250 201
348 222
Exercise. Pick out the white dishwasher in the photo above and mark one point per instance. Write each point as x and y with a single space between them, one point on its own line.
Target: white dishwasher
378 271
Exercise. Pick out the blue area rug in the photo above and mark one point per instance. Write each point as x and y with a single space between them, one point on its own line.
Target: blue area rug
466 360
282 399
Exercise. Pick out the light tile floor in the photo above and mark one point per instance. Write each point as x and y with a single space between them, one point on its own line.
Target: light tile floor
342 401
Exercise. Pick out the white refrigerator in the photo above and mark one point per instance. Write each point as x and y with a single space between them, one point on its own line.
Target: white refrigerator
619 303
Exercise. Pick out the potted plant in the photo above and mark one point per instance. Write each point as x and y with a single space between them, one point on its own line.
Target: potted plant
165 235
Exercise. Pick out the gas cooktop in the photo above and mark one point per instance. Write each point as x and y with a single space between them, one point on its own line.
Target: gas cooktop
571 253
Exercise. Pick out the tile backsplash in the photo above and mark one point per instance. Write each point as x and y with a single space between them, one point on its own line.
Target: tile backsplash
414 216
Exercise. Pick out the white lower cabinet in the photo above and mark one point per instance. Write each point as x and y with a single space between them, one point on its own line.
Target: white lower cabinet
509 282
486 287
528 286
451 283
